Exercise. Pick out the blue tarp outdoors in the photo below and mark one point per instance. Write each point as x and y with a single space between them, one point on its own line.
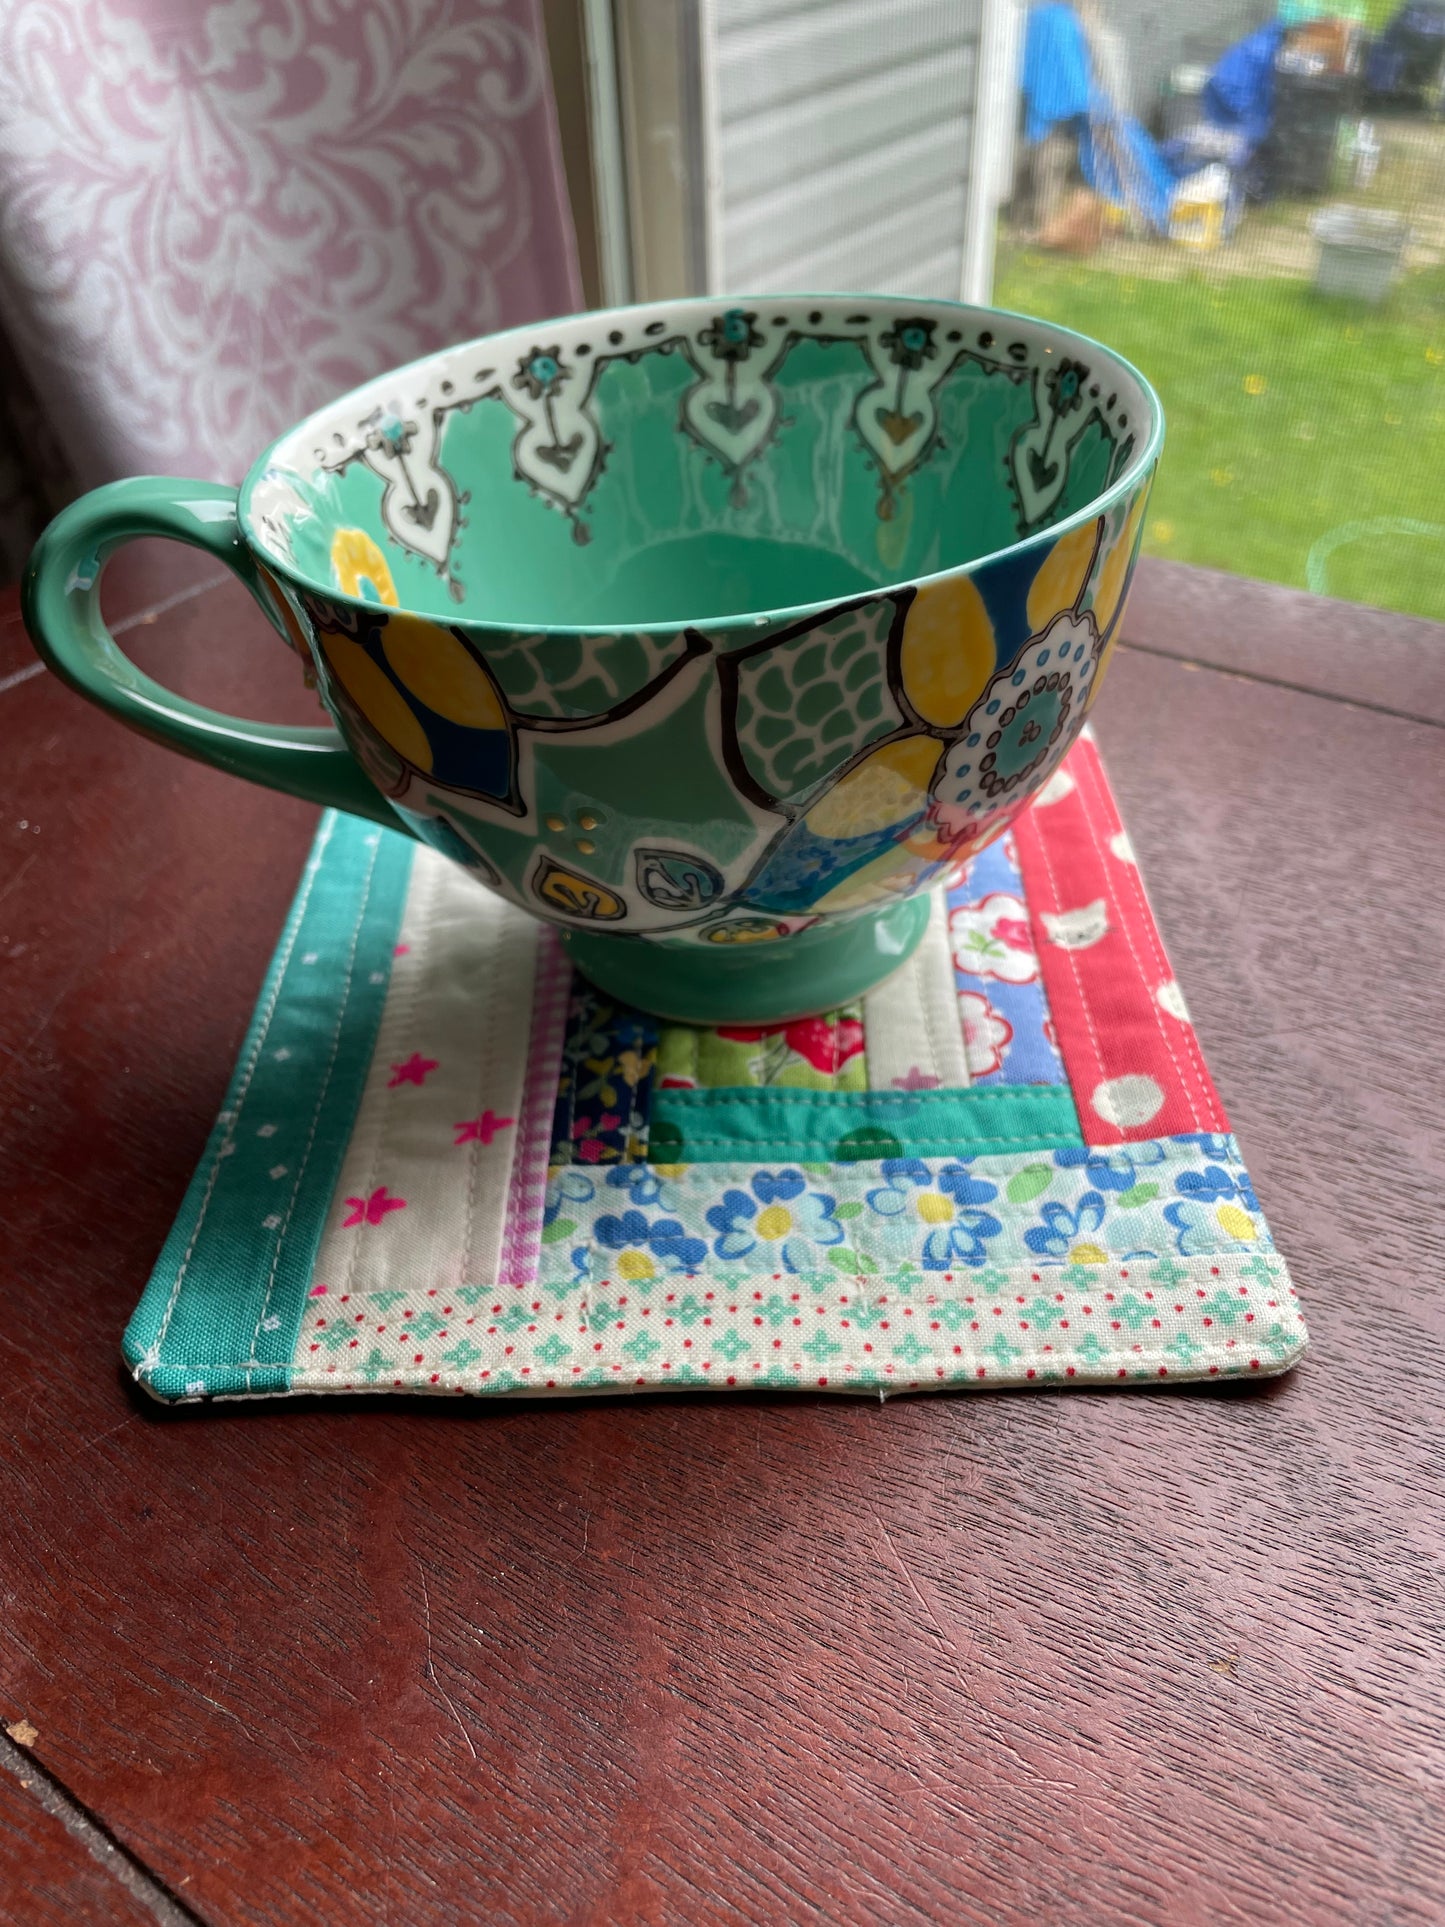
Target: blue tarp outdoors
1117 157
1121 162
1058 78
1239 94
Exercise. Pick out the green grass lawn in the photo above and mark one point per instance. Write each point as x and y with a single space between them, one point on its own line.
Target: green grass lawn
1291 421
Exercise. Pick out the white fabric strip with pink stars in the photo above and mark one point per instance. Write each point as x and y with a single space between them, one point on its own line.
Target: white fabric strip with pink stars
429 1169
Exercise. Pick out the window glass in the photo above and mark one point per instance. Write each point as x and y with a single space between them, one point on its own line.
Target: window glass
1251 207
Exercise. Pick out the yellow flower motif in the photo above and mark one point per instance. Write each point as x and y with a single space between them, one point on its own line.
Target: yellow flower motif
746 930
358 564
948 651
1237 1223
634 1066
285 614
380 703
633 1265
1116 568
887 787
575 894
1221 477
1255 384
774 1222
670 1170
441 672
1164 532
934 1208
1110 590
1087 1254
1435 356
948 655
1061 576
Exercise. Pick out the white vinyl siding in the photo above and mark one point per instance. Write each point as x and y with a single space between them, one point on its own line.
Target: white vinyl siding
841 139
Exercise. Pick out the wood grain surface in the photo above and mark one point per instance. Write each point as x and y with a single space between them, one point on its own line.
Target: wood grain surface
49 1875
1093 1657
1368 656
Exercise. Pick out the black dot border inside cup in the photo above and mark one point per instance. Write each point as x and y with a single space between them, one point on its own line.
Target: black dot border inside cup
663 335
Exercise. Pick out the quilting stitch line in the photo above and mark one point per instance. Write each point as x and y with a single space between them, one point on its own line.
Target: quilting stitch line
313 870
255 1363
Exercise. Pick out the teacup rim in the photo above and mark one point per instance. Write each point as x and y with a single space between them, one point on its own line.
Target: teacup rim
752 620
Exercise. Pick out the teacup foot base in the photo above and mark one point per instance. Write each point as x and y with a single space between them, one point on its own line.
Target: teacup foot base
755 983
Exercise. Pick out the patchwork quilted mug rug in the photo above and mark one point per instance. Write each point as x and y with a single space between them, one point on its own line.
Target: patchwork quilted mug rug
447 1164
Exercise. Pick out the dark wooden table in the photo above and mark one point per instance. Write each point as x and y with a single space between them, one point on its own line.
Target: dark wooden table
1163 1657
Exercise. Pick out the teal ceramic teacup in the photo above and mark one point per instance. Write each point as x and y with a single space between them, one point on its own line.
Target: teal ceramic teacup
716 634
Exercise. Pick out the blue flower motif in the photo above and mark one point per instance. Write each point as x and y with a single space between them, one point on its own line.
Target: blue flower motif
638 1179
570 1187
1196 1218
782 1213
628 1229
961 1241
668 1239
1116 1170
1195 1231
641 1183
914 1169
1211 1182
1061 1227
815 1226
732 336
388 432
665 1238
541 372
1066 384
1214 1144
910 343
891 1197
770 1189
1214 1184
733 1216
956 1181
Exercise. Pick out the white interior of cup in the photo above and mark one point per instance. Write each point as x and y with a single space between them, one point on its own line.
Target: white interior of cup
701 461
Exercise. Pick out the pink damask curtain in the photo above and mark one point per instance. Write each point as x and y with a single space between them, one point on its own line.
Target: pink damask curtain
215 216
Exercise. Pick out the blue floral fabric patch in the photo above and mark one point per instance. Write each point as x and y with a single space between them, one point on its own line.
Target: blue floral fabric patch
1069 1209
1002 1003
604 1088
1143 1263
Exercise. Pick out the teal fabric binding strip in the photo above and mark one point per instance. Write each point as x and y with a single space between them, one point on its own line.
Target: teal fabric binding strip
725 1126
223 1307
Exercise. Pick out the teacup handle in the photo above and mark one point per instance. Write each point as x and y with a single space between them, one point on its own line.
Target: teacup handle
61 603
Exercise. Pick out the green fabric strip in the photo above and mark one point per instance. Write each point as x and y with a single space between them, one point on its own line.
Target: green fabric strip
223 1307
718 1127
813 1054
